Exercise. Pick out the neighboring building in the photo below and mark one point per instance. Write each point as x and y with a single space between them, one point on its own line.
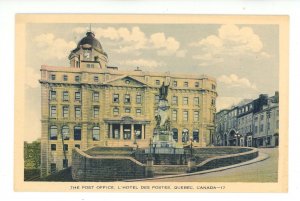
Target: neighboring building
91 104
253 123
266 124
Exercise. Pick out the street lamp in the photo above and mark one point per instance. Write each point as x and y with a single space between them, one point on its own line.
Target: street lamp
191 147
237 136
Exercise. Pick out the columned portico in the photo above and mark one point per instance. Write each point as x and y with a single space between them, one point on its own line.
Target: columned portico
127 128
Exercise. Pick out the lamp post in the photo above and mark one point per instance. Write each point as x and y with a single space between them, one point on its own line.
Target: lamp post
268 127
237 136
191 147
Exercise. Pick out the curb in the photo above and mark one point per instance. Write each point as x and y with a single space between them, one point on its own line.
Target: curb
261 157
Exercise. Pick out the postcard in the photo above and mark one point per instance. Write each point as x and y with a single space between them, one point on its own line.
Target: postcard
151 103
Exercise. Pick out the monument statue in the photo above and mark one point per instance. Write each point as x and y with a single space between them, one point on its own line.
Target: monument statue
162 117
163 142
163 91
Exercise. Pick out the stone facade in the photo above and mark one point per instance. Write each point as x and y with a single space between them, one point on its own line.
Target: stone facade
256 123
92 104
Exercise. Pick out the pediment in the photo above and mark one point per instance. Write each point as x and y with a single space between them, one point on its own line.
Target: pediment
126 80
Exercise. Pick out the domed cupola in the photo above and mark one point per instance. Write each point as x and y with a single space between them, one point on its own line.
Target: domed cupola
88 53
90 42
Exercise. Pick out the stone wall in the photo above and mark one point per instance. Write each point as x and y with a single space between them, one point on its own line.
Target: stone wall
105 168
222 161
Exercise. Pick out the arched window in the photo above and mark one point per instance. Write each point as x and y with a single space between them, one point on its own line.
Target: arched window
175 134
77 133
196 135
65 132
53 132
96 133
185 135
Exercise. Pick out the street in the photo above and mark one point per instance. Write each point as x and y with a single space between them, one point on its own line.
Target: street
264 171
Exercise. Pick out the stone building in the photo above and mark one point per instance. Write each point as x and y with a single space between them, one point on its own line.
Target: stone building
92 104
252 123
266 124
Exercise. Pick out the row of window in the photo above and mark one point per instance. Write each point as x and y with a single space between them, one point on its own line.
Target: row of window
65 147
127 98
185 115
96 111
65 78
185 84
65 96
65 132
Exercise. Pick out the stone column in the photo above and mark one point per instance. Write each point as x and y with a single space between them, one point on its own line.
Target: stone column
143 131
110 131
132 132
121 132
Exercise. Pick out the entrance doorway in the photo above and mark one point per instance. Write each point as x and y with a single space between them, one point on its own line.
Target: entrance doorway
127 131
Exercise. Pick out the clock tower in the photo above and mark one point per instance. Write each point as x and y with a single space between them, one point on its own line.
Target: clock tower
88 53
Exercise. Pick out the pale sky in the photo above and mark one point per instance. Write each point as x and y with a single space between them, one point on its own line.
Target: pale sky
243 58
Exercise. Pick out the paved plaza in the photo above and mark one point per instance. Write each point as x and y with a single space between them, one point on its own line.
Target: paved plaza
263 171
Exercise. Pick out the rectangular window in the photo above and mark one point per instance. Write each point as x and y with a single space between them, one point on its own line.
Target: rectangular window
65 96
65 111
65 163
77 146
185 115
196 116
213 87
65 77
185 100
77 112
116 111
53 168
156 98
186 84
77 133
261 117
127 98
77 78
138 112
66 147
174 115
52 95
52 111
196 84
53 147
174 83
157 82
53 77
116 98
95 96
77 96
261 128
96 112
174 100
138 99
196 100
96 79
277 124
127 110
